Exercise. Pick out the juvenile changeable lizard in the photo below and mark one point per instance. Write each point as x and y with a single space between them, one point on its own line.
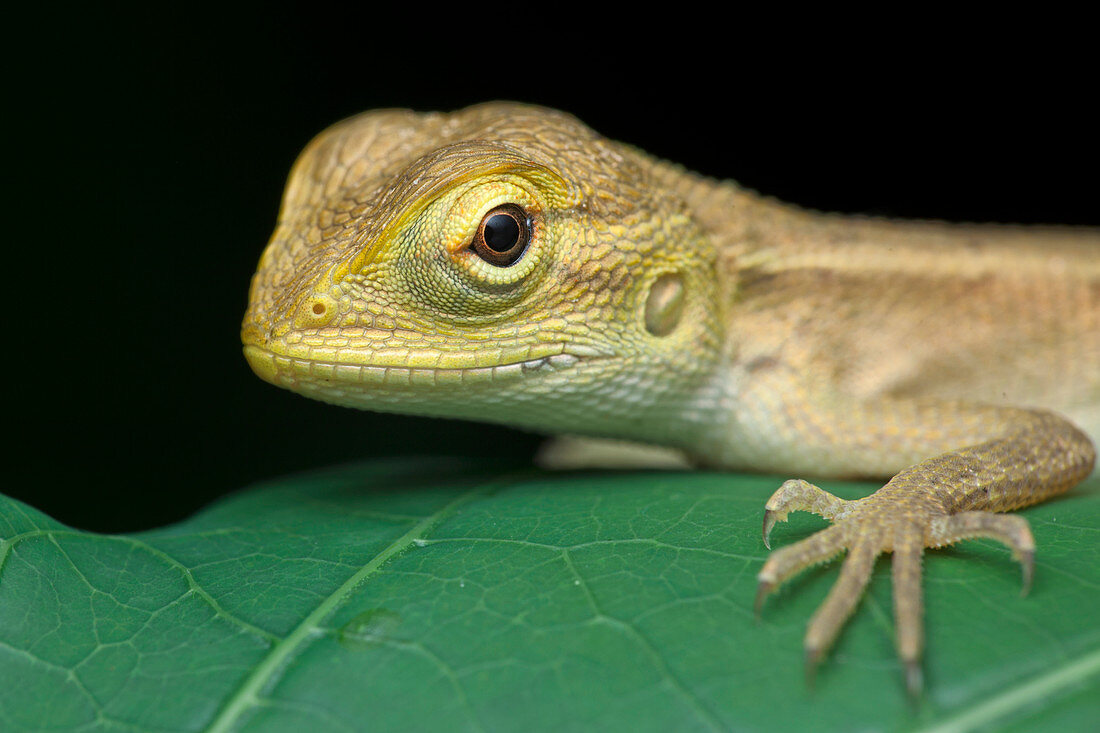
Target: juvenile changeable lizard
505 263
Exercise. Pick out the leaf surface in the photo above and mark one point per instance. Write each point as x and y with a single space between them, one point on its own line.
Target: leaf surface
448 595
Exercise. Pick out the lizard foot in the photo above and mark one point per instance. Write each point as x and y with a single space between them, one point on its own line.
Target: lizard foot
883 522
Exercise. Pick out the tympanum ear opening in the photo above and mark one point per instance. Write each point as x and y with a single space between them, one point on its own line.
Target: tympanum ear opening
664 305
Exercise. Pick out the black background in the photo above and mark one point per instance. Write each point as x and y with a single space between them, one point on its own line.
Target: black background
146 155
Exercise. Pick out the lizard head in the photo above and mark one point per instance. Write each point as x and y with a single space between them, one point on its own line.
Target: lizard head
501 263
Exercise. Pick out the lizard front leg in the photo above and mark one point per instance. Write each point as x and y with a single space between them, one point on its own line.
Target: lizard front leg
1019 457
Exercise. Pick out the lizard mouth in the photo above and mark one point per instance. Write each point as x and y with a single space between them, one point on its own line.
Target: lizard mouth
307 374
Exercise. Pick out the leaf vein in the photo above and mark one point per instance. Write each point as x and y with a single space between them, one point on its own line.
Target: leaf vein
247 695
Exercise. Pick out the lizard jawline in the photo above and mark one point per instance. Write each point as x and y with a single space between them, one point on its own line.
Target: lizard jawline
300 374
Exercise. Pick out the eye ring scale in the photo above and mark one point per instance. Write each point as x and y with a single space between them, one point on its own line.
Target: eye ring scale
503 235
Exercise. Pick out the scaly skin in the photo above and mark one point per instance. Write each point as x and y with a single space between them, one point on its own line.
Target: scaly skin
962 363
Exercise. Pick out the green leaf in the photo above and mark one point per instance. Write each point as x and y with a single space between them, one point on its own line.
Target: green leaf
446 595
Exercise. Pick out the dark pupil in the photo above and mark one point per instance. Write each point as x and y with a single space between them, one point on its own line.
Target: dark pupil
501 232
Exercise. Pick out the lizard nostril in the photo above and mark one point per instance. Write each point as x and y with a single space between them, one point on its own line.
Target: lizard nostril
319 308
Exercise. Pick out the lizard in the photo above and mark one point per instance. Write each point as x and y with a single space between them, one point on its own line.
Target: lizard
507 263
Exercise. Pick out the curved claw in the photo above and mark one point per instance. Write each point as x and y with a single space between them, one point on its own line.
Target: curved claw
769 522
812 659
763 590
914 678
1027 567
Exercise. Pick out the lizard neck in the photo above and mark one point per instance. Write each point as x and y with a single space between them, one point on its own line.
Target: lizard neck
931 310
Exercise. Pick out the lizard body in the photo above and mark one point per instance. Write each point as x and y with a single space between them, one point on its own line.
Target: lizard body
506 263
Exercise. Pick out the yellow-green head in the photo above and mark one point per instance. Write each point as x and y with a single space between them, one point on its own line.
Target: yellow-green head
500 263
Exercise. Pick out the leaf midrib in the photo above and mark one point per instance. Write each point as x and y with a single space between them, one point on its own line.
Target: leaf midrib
246 695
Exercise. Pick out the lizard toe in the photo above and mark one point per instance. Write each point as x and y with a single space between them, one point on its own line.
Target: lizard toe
1009 529
797 495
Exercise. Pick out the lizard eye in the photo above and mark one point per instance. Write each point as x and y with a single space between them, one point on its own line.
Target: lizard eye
503 236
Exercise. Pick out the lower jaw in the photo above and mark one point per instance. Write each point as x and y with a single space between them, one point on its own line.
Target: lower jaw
550 395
